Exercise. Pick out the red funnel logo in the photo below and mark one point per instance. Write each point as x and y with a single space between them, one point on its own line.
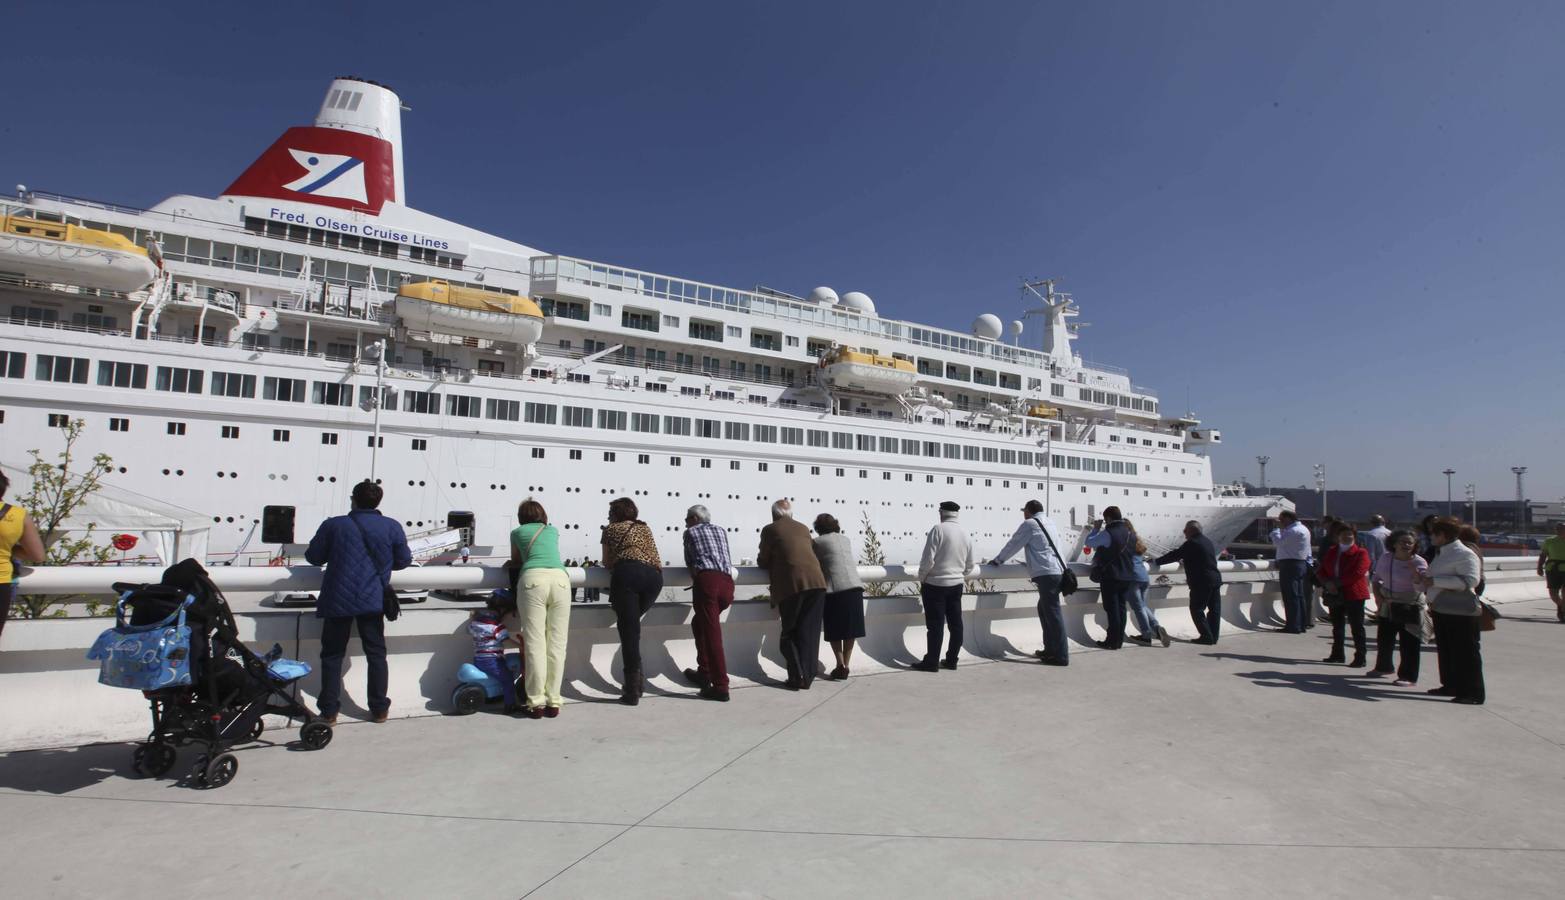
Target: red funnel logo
323 166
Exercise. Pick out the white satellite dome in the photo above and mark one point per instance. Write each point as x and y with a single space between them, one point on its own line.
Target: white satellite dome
1016 328
988 326
859 302
823 295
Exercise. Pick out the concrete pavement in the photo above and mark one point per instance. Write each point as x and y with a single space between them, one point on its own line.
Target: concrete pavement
1240 770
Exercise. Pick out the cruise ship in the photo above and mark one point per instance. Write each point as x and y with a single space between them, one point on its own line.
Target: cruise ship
251 357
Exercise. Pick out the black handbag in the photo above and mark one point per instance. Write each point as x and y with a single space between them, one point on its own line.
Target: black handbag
390 604
1068 582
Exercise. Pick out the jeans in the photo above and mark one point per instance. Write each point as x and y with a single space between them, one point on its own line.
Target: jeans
1055 646
1461 663
494 667
1290 575
544 607
1206 609
942 609
1136 598
712 593
334 646
633 588
1351 613
1113 594
1388 635
801 634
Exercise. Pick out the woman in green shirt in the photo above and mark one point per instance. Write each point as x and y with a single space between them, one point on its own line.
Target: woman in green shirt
1551 565
543 604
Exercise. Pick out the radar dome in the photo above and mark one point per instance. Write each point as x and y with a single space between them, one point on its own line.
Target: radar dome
823 295
859 302
1016 328
988 327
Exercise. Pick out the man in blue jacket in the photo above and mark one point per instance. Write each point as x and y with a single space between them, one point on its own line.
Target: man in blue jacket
1036 537
359 551
1113 544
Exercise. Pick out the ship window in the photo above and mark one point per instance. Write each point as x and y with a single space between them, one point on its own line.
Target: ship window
791 341
180 381
575 454
120 374
931 449
463 406
641 321
841 440
608 456
736 431
374 442
673 461
991 455
537 453
13 364
611 419
688 391
733 464
367 397
578 416
865 443
766 434
722 395
118 424
420 443
970 453
815 470
602 309
888 445
644 422
794 436
231 432
788 468
734 331
1118 467
329 437
331 394
505 410
709 428
706 331
841 472
817 437
176 428
671 321
281 435
287 390
761 467
706 464
427 402
929 479
1008 458
969 482
676 425
953 451
656 387
537 413
59 420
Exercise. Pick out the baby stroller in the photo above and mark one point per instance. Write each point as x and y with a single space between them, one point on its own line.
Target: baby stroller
177 643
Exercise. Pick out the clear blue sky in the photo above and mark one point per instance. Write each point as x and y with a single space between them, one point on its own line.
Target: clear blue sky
1337 228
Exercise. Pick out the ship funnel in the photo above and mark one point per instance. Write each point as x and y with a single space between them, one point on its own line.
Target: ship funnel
355 104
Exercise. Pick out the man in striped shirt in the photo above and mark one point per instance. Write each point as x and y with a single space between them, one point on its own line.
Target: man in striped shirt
712 591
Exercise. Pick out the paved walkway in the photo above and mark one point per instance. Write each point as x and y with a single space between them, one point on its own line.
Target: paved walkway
1244 770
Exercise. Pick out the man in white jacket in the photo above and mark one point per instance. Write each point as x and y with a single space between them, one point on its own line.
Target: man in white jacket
948 558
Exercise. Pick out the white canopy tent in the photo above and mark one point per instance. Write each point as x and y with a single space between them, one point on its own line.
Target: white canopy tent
169 532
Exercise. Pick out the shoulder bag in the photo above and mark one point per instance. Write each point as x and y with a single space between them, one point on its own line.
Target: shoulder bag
1068 583
390 606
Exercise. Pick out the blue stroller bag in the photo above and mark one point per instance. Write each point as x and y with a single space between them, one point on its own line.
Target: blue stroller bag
144 657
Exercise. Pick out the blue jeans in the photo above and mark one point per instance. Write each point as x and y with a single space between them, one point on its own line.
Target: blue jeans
1052 618
1290 575
495 668
1146 619
334 646
1113 594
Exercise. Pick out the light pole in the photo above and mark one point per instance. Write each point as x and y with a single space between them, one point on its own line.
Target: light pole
1472 503
1448 473
1320 485
1263 460
1520 517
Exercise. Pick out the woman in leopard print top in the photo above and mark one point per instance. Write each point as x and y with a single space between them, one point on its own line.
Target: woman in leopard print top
635 581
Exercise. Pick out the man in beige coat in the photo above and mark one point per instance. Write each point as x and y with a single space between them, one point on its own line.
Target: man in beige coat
798 591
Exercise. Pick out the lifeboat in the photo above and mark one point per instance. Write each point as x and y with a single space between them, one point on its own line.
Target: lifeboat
1041 411
70 254
871 373
470 312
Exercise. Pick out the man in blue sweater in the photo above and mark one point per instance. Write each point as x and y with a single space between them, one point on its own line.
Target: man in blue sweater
359 551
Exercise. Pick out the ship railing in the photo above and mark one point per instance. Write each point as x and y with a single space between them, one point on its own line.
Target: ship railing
10 279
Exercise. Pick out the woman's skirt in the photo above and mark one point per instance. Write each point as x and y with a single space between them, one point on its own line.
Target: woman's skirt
843 617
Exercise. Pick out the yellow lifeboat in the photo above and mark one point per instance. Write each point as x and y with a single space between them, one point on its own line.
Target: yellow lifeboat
854 370
438 306
1040 411
70 254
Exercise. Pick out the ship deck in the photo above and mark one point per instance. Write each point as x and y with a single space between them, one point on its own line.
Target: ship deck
1246 769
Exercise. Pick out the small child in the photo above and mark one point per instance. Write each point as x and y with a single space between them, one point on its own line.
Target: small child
489 637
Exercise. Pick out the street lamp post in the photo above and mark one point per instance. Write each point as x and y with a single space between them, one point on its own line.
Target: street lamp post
1320 485
1263 460
1471 491
1448 473
1520 516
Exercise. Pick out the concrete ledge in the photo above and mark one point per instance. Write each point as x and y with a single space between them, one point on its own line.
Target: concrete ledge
49 695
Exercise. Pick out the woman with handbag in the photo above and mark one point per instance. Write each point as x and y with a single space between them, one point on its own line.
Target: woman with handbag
1401 617
1451 583
543 604
1343 572
635 581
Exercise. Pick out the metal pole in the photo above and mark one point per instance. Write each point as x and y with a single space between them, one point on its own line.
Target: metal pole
380 378
1520 501
1320 485
1263 460
1448 473
1472 503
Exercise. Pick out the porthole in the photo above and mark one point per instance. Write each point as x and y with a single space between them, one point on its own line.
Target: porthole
165 471
320 478
220 474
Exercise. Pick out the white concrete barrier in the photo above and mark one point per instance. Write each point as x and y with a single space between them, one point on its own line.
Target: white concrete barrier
49 695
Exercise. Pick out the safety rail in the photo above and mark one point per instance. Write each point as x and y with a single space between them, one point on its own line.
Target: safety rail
99 580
